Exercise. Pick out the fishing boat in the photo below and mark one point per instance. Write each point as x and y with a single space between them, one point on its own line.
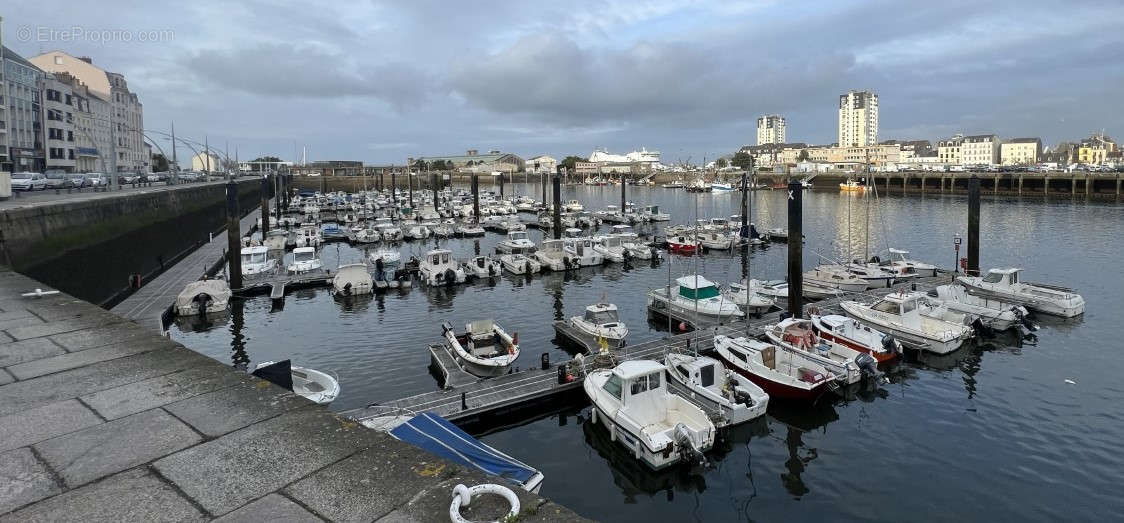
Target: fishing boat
1004 284
706 381
682 245
573 206
203 297
993 313
782 374
693 295
610 247
898 314
438 268
275 240
847 331
580 253
847 364
852 186
482 267
551 255
256 260
835 277
658 427
747 297
314 385
600 325
304 260
484 349
901 264
352 280
520 264
516 242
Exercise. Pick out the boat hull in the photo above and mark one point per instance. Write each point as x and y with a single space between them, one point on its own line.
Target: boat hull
778 390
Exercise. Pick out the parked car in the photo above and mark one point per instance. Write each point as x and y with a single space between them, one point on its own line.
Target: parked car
28 182
97 179
156 177
58 180
79 180
130 177
189 176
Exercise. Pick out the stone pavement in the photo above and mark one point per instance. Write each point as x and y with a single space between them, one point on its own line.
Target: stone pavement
104 420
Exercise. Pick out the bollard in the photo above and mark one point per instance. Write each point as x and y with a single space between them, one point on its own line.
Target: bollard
545 360
233 242
464 401
795 250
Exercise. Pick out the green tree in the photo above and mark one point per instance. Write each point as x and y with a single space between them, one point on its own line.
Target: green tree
742 160
803 156
420 165
569 161
266 159
159 163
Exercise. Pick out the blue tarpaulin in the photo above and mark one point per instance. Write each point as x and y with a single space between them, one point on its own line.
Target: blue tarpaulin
440 437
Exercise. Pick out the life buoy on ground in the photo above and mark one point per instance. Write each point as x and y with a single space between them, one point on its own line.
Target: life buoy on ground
462 497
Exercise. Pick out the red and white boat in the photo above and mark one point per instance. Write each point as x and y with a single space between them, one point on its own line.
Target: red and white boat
795 334
682 245
781 373
847 331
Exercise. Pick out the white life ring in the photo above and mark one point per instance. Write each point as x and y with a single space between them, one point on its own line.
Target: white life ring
462 496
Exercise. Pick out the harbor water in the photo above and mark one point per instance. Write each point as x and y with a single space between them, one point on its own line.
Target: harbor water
997 430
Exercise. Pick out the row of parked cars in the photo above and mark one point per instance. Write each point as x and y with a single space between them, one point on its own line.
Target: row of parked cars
29 181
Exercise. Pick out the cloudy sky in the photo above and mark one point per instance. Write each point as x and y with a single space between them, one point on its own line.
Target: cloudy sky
381 81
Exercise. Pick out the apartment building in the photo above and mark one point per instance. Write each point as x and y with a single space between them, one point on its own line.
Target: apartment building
771 129
21 121
858 119
980 150
1020 151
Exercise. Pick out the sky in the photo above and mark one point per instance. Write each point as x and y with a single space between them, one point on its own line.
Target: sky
383 81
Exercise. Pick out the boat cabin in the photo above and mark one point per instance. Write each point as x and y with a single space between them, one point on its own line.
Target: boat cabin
578 246
515 236
904 307
602 314
1008 276
696 288
551 246
439 257
573 233
254 255
304 254
701 371
639 385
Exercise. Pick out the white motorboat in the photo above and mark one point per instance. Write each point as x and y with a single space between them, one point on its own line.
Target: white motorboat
776 234
573 206
276 239
317 386
388 256
847 331
748 297
600 325
695 294
715 240
309 236
203 297
610 247
389 231
706 381
658 427
901 264
633 247
785 375
874 274
652 213
482 267
993 313
834 277
304 260
898 314
367 235
580 253
552 255
469 229
484 349
721 187
520 264
510 225
516 242
847 364
443 231
256 260
438 268
1004 284
417 232
352 280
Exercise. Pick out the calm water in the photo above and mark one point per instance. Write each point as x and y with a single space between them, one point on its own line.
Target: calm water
990 431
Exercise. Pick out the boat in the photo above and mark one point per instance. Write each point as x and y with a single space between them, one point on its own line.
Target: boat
706 381
782 374
484 349
203 297
993 313
898 314
276 239
677 184
389 231
551 255
682 245
304 260
509 225
580 253
779 289
439 268
482 267
256 260
516 242
693 295
352 280
660 428
633 247
847 331
309 236
698 185
852 186
721 187
314 385
520 264
652 213
367 235
469 229
1004 284
835 277
388 256
443 231
332 232
417 232
847 364
901 264
873 273
439 437
747 297
600 325
610 247
573 206
715 240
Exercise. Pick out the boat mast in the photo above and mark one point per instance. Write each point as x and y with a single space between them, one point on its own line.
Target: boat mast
697 247
866 239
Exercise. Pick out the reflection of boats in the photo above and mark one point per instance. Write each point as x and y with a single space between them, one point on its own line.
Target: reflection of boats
600 323
484 349
898 314
203 297
352 279
847 331
660 428
783 374
310 383
1004 284
705 380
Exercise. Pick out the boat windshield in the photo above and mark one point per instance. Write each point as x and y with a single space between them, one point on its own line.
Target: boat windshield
305 256
702 293
706 375
613 386
886 306
515 236
247 258
993 277
601 317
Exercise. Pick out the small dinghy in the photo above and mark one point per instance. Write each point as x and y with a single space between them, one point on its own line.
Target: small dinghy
1004 284
314 385
203 297
706 381
352 280
484 349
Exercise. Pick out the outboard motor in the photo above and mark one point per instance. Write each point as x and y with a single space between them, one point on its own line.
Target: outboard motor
687 448
868 365
202 301
983 331
742 396
875 259
347 289
1020 313
891 345
450 277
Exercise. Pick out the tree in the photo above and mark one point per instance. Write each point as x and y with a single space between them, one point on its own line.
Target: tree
803 156
569 161
420 165
159 163
273 159
742 160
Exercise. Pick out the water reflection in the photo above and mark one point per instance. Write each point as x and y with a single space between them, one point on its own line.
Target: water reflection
238 355
632 477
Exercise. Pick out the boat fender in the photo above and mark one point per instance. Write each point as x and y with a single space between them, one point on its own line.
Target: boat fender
462 497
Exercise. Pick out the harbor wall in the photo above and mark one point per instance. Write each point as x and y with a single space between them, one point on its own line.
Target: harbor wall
93 246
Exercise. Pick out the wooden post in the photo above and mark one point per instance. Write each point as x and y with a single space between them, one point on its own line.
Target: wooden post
1020 185
557 206
745 200
476 197
265 206
622 193
795 251
233 240
973 226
